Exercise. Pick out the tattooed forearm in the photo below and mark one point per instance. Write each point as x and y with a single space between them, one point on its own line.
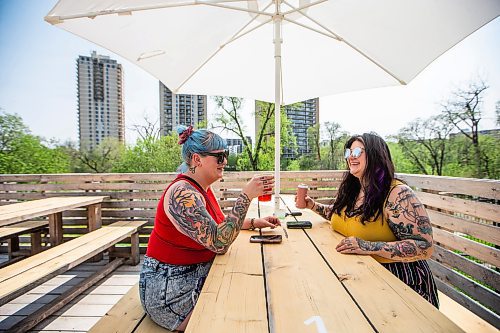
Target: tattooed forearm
370 246
188 212
324 210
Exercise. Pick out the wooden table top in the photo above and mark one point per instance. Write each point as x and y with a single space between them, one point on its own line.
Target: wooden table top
16 212
304 285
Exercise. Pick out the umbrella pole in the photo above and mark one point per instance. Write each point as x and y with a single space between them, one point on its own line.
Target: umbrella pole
278 18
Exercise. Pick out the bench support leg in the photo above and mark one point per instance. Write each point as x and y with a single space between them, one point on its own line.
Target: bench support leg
36 242
134 249
13 246
55 229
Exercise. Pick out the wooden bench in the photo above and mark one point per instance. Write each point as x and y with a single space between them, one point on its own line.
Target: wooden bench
21 276
53 208
11 234
24 275
127 316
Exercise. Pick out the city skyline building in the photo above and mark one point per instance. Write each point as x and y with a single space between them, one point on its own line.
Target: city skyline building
302 115
101 111
180 109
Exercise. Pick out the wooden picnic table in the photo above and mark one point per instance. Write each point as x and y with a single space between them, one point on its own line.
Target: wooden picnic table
304 285
53 208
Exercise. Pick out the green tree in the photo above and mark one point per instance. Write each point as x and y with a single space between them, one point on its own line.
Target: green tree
151 154
102 158
464 111
425 142
260 155
22 152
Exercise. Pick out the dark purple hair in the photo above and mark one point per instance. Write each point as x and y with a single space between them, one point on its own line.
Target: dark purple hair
377 179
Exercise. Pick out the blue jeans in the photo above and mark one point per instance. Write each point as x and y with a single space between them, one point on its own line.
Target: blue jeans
169 292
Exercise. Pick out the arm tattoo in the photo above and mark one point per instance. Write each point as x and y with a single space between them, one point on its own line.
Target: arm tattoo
410 224
324 210
187 208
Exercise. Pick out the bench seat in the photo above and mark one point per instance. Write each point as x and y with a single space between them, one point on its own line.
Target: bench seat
127 316
11 233
26 274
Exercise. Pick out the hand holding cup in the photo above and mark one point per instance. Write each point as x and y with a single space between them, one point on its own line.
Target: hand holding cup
259 185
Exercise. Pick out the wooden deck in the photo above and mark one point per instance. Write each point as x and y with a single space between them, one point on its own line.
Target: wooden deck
81 314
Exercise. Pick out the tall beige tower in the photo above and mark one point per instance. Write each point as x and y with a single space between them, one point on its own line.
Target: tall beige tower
100 100
180 109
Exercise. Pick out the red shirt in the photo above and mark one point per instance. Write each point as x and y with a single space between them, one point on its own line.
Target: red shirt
170 246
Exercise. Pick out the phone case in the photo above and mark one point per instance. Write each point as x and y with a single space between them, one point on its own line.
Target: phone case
299 225
266 239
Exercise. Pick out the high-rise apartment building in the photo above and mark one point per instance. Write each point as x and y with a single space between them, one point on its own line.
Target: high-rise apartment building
100 100
180 109
302 116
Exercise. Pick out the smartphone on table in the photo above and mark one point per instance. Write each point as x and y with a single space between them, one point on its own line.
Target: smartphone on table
266 239
299 225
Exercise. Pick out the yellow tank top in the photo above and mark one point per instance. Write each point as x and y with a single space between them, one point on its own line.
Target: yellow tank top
375 231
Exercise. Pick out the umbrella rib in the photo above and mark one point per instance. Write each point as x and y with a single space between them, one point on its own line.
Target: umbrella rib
232 39
339 38
128 11
247 10
295 9
334 36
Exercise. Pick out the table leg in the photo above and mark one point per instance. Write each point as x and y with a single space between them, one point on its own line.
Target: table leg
94 217
55 229
94 223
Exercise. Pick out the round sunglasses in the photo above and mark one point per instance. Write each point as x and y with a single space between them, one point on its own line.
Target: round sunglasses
220 156
356 152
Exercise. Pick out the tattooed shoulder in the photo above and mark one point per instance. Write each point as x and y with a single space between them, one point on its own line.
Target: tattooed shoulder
183 194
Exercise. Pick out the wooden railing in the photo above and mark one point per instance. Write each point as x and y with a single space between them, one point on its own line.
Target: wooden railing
465 214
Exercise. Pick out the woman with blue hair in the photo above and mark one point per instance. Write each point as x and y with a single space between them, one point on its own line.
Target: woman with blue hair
190 229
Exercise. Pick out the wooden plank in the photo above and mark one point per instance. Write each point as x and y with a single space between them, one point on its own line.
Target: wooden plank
469 303
63 257
483 295
480 251
233 296
391 305
122 186
296 268
464 318
485 232
48 309
485 188
124 316
148 326
483 274
27 210
22 228
482 210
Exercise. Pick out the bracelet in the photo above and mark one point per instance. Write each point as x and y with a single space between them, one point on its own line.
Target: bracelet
252 227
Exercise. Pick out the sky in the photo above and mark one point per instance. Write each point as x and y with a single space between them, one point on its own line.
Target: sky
38 81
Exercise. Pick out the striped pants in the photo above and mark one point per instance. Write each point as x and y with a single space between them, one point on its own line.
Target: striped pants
418 276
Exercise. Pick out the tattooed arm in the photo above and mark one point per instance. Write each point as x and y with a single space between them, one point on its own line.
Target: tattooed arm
408 221
321 209
185 207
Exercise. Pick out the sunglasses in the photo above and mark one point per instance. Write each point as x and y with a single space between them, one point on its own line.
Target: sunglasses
356 152
220 156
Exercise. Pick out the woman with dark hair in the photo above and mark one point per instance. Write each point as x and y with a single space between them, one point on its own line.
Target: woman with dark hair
190 229
381 216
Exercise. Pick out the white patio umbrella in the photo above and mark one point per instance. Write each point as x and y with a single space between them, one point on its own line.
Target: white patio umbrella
280 51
